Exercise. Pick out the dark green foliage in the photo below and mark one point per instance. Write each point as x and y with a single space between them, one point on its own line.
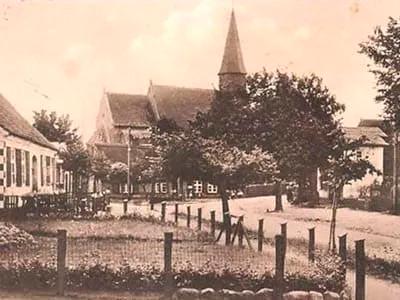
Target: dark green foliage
383 48
32 274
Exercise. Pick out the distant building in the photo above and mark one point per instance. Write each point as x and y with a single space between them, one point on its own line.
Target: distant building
28 161
373 149
119 112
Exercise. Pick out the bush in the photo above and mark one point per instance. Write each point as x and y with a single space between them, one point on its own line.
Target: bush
125 277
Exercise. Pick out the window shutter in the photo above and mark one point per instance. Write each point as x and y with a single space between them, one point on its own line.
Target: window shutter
27 168
18 164
8 166
41 171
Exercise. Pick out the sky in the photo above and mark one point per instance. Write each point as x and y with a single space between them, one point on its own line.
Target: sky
61 55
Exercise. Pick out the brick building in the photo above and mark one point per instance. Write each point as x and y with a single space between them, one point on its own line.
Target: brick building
121 113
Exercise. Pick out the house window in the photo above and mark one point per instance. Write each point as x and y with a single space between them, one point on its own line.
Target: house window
197 187
160 187
41 171
48 171
359 154
163 187
212 188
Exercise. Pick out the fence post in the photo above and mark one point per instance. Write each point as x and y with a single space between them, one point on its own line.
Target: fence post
260 234
199 220
284 234
360 270
125 204
212 218
176 213
240 231
61 259
343 247
168 261
228 228
188 217
279 266
311 244
163 207
151 206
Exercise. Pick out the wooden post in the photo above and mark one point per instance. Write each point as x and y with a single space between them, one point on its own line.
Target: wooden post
360 270
125 203
311 244
61 259
151 206
176 213
188 217
168 261
212 218
228 228
199 220
260 234
279 266
343 247
284 234
240 231
163 208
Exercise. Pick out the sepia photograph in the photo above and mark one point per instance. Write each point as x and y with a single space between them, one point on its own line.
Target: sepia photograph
199 149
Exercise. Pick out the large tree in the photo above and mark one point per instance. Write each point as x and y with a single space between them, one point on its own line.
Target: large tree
295 118
59 129
383 48
188 155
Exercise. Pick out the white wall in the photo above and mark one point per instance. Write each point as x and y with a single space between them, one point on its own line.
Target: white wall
375 157
34 150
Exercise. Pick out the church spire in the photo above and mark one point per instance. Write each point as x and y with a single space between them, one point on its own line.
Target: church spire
232 74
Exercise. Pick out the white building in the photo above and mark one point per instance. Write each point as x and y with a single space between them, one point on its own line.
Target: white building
28 161
373 150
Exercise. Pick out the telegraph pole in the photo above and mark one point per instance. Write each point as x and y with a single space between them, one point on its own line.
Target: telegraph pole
128 179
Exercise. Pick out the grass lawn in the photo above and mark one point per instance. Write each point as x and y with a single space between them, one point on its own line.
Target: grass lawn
116 242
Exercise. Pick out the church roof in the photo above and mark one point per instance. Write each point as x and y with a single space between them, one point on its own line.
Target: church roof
374 135
371 123
181 104
131 110
232 61
15 124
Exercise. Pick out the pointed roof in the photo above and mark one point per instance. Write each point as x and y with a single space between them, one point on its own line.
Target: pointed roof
232 61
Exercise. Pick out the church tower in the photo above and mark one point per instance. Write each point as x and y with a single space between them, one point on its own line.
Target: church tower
232 75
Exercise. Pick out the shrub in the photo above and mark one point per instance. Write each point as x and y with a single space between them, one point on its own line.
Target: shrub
125 277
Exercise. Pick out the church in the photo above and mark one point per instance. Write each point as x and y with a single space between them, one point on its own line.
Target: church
121 115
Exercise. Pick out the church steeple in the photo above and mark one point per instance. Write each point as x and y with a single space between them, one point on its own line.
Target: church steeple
232 75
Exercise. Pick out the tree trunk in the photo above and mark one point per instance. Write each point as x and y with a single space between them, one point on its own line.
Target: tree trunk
332 233
278 196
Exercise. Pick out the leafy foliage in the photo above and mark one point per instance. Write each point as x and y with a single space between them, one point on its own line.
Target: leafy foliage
383 48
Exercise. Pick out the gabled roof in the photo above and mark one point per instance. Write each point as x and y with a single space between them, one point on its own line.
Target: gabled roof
15 124
232 61
181 104
371 123
131 110
374 135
